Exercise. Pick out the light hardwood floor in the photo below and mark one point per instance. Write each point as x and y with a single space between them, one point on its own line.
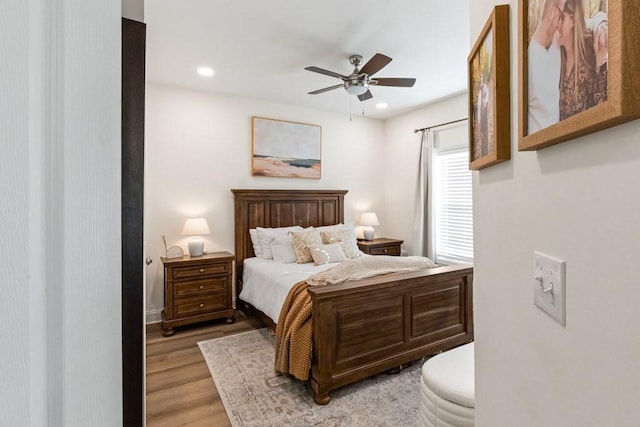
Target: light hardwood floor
180 390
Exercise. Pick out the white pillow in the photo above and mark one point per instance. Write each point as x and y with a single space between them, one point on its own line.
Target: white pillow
336 227
255 241
282 250
266 235
330 227
325 254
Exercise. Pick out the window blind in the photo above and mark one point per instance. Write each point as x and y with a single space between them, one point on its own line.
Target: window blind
452 204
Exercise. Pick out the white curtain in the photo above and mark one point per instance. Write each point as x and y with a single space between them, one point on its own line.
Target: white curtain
445 138
420 228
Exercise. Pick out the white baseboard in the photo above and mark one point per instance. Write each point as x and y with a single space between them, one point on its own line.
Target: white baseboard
154 316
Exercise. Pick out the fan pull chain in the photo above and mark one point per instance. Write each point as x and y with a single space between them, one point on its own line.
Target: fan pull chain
350 118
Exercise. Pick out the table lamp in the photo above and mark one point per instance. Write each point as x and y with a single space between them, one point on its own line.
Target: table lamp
368 220
196 227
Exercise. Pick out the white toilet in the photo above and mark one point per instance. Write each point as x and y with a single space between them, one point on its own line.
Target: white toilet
447 389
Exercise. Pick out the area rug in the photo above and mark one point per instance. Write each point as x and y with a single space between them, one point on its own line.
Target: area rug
254 395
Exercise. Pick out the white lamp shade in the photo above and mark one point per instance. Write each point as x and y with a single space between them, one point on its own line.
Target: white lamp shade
195 227
369 218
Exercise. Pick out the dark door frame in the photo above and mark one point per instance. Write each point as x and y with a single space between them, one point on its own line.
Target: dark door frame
133 99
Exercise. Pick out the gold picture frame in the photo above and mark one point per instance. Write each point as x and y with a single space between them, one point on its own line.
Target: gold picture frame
285 149
601 92
489 93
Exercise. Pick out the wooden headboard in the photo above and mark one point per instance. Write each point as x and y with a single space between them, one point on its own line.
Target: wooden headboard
281 208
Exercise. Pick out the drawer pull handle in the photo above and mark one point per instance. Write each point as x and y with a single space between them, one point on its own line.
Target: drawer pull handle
201 305
201 286
386 250
202 270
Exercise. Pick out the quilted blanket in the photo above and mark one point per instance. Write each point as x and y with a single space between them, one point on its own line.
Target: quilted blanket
294 327
368 266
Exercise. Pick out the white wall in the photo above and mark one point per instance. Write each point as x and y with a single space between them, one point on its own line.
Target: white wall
401 159
577 201
198 147
60 362
133 9
15 391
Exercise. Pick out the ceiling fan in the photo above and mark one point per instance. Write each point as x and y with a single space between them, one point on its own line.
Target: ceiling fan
358 82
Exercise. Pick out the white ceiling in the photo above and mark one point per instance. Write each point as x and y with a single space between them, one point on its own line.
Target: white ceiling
259 48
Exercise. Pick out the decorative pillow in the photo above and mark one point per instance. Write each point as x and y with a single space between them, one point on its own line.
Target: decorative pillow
326 228
266 235
282 250
255 241
325 254
346 237
301 242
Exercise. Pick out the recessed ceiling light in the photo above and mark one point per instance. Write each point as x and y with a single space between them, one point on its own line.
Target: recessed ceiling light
381 105
205 71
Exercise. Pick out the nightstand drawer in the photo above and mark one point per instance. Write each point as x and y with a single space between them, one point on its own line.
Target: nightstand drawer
203 304
381 246
198 287
199 271
386 250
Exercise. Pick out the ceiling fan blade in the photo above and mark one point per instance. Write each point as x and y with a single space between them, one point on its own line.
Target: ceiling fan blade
375 64
326 89
325 72
394 81
365 96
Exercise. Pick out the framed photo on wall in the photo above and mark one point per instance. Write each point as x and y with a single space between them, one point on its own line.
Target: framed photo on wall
489 93
579 68
285 149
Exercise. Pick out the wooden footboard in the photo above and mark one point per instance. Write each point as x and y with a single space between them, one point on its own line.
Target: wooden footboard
365 327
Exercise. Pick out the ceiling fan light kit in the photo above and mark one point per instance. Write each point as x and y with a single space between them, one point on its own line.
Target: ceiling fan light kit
358 82
356 87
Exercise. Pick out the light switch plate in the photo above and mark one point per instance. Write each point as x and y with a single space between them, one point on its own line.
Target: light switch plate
549 286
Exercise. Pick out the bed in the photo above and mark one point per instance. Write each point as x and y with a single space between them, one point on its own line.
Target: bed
364 327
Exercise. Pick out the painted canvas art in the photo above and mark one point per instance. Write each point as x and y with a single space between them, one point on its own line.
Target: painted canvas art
285 149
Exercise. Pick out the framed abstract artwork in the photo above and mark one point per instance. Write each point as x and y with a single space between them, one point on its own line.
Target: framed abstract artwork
489 93
579 68
285 149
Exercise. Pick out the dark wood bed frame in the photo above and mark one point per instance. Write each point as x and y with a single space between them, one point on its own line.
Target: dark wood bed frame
364 327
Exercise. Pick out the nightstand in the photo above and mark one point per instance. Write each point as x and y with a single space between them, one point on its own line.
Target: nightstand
380 246
197 289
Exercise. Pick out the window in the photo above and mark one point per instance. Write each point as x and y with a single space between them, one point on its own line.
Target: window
451 205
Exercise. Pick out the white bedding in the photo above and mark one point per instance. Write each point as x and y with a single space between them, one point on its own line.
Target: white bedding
266 283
